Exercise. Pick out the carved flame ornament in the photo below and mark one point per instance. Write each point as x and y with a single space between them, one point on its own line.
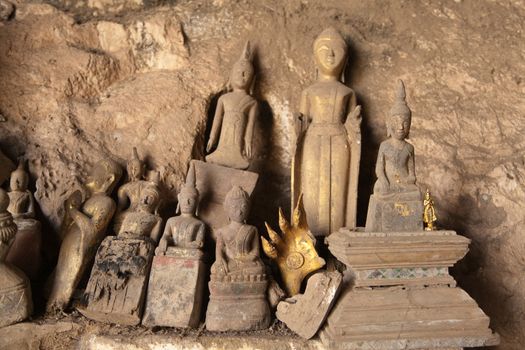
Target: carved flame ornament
294 250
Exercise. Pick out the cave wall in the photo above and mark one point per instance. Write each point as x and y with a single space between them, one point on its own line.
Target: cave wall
81 80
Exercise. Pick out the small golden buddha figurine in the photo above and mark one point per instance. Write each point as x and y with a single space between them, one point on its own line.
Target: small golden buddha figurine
429 214
129 194
15 293
326 163
117 285
234 120
25 250
185 230
238 282
84 226
396 202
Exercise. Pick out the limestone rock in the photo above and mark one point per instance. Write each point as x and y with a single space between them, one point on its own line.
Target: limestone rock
305 313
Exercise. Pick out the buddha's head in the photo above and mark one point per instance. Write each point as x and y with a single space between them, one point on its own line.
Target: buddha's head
189 195
104 176
400 118
330 52
19 178
242 74
237 204
135 167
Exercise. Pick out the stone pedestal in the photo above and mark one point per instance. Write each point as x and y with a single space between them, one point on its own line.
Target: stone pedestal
403 296
175 291
25 250
117 286
395 212
238 304
16 304
214 182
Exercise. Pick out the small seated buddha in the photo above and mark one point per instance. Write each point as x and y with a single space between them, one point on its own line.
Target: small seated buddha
238 276
396 202
25 250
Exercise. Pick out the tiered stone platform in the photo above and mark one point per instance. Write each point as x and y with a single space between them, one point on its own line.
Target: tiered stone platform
403 296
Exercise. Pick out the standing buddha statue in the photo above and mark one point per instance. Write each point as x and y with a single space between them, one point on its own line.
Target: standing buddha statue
326 163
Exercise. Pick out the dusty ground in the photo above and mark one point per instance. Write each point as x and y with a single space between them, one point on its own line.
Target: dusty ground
80 80
67 331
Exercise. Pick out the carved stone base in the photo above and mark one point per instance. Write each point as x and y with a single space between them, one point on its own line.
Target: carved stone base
16 304
214 182
117 287
401 295
395 212
429 317
175 290
238 306
25 250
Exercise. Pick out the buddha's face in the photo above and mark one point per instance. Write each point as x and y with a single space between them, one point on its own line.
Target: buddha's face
330 57
187 203
238 210
18 182
399 127
135 170
241 75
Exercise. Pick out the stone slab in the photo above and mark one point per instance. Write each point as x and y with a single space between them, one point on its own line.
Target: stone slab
175 292
375 250
305 313
214 182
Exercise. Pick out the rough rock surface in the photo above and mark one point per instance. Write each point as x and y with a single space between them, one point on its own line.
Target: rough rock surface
88 79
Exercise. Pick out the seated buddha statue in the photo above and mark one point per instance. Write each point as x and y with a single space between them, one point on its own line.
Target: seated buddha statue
396 203
237 250
238 282
25 250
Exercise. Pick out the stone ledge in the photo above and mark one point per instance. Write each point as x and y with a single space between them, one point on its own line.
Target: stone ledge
208 342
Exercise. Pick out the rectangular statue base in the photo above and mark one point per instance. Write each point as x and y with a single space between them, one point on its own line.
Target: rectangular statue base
116 289
175 291
395 212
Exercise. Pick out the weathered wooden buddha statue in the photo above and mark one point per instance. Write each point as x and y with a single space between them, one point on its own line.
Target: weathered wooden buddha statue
238 276
233 124
326 162
15 293
25 250
178 274
83 228
129 194
396 202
